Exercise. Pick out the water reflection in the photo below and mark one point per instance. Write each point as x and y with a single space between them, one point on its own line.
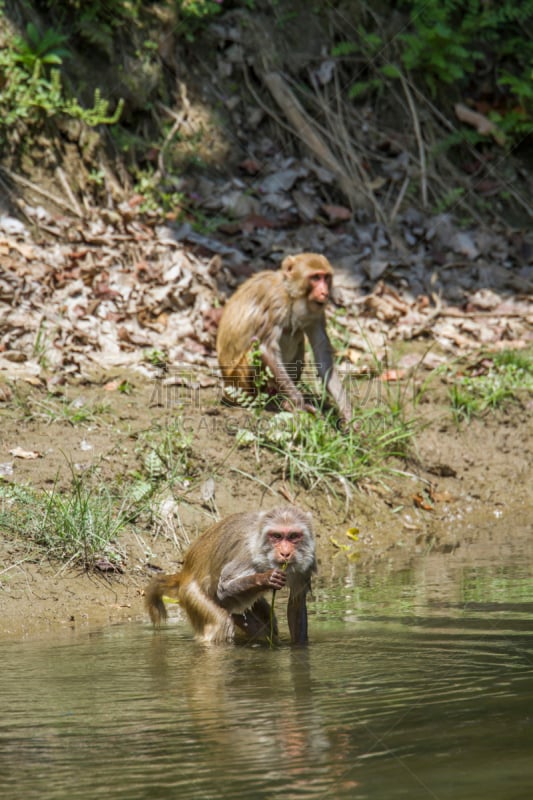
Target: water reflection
404 692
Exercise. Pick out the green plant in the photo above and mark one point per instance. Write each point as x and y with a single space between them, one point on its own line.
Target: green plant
451 41
27 99
518 119
79 526
441 45
164 452
195 14
490 384
95 21
157 358
461 43
257 402
316 453
369 47
64 410
43 50
39 345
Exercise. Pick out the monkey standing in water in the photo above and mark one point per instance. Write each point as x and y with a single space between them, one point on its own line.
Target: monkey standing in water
274 312
227 570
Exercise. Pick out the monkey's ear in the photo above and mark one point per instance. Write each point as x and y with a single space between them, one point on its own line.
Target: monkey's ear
288 263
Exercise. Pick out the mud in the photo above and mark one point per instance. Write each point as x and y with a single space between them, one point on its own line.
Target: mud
478 477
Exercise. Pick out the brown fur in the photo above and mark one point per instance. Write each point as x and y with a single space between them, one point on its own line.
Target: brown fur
274 312
230 566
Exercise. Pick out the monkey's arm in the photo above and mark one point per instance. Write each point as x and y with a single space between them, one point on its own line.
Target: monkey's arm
297 617
242 589
323 354
272 360
297 607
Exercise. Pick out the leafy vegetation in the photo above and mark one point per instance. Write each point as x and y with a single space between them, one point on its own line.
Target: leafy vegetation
314 452
467 45
490 384
59 409
164 453
32 89
80 526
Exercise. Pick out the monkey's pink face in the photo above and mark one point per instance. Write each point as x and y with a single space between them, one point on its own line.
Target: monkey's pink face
285 543
319 287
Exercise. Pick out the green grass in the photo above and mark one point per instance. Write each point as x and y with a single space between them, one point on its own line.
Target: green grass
491 383
315 453
80 526
59 409
164 453
73 412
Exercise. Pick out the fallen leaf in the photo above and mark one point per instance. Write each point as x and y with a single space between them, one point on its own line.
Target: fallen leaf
207 490
336 214
250 166
391 375
104 565
338 545
422 502
482 124
19 452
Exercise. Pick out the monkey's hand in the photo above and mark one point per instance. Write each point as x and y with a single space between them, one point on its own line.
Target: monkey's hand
298 404
276 579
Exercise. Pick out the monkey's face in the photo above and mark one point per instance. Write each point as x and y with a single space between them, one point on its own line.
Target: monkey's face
319 288
308 278
285 543
285 540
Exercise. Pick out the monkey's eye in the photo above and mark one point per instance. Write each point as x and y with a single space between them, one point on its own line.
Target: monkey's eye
296 536
277 537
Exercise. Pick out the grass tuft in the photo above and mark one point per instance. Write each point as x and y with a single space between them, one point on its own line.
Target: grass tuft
491 383
80 526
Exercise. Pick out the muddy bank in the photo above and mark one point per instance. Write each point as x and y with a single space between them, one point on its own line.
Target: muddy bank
464 490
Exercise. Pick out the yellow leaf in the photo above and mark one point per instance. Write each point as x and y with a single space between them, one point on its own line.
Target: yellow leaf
338 545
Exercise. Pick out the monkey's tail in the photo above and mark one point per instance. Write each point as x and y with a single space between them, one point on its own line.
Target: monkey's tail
168 585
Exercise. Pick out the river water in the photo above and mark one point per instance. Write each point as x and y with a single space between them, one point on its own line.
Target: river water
417 683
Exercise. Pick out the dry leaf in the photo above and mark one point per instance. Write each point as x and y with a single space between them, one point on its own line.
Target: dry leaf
422 502
207 490
482 124
19 452
393 375
336 214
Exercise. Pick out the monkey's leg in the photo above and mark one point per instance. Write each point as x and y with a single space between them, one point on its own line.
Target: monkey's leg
210 622
297 617
258 623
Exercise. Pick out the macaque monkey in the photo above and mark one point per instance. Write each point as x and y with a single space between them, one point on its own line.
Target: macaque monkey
227 570
271 314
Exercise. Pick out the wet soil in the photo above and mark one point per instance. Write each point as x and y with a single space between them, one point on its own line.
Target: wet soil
460 483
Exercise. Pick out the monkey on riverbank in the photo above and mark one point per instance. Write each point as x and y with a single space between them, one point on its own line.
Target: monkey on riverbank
228 569
271 314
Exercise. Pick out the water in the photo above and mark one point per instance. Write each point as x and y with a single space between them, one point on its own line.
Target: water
417 684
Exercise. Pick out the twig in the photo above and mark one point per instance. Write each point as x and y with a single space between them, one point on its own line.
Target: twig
37 189
68 191
13 566
400 197
418 329
253 478
419 139
302 126
179 120
448 125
